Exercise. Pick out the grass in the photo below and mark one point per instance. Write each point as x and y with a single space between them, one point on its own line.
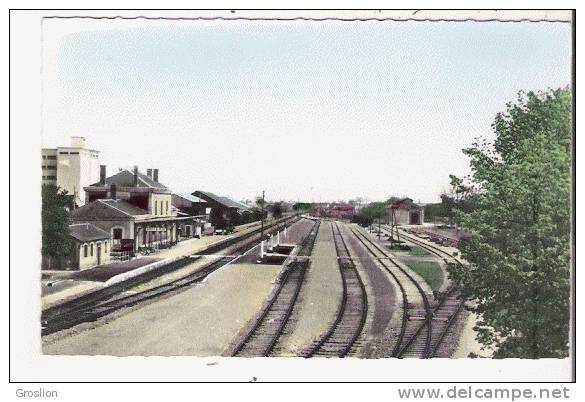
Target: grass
429 271
415 251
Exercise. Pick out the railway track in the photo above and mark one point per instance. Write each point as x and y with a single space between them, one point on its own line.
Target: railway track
429 247
449 304
264 334
416 335
351 317
91 307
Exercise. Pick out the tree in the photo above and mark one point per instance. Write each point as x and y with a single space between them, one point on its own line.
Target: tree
302 206
261 203
518 254
370 213
433 211
459 197
276 210
56 242
392 199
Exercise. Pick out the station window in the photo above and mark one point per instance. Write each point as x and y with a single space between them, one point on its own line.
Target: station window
155 207
167 207
105 247
91 250
85 250
52 157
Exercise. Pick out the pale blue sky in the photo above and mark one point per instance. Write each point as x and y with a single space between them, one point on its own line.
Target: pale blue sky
304 110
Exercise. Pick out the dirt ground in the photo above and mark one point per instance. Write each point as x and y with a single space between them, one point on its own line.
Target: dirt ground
64 290
200 321
466 343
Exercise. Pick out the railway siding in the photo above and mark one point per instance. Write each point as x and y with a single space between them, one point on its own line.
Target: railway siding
318 301
384 301
106 300
340 340
446 312
262 337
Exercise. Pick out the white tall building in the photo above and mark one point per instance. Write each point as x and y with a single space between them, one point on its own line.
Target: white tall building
71 168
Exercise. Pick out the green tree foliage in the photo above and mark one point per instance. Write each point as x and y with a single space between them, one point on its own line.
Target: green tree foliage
370 213
302 206
260 201
433 211
56 242
519 273
276 209
392 199
459 198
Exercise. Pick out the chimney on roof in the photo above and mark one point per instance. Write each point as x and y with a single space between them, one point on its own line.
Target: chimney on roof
102 175
135 176
149 173
113 191
155 175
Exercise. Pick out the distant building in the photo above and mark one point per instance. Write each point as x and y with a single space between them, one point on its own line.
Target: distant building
190 204
405 212
335 210
319 208
91 246
340 211
224 210
134 208
71 168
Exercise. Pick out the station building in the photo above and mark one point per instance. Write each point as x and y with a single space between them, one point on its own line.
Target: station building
404 212
71 168
134 208
224 210
91 246
190 205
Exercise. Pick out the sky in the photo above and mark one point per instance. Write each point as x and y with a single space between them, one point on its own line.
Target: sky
310 111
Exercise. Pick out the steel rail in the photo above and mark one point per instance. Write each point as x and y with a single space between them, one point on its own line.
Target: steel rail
449 294
92 308
300 268
402 346
318 347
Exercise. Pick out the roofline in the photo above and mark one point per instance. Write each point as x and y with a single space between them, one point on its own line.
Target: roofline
118 209
162 186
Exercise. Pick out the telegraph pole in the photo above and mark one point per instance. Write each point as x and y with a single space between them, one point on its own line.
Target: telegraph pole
262 224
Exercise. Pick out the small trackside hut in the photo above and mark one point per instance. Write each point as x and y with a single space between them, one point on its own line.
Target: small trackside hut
91 246
404 212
